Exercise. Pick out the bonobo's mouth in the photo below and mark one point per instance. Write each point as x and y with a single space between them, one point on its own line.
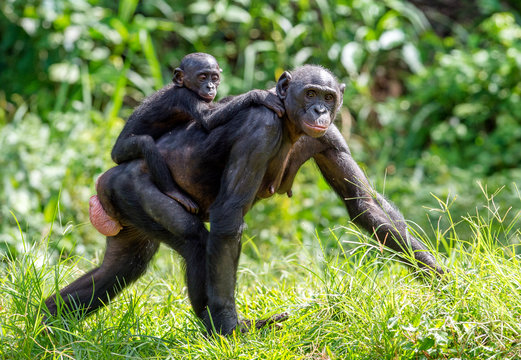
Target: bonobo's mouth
315 130
209 96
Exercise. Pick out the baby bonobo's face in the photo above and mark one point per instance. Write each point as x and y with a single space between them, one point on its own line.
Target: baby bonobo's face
203 76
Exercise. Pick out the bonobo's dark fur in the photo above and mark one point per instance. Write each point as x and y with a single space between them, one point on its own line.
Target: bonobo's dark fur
226 171
189 98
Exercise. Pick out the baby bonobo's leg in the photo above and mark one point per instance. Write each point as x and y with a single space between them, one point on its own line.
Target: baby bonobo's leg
162 178
178 195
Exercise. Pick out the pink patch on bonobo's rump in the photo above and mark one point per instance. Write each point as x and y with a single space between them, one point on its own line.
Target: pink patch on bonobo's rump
101 220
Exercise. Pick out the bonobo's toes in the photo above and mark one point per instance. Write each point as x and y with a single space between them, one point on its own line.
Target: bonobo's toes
185 201
274 321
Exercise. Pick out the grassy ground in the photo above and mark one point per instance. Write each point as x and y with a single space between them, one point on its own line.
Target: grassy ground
348 301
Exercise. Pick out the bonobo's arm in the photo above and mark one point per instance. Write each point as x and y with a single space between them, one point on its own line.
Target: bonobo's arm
150 120
224 110
366 207
240 183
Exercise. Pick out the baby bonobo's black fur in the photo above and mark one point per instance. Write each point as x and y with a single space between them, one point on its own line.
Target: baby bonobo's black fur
227 171
190 97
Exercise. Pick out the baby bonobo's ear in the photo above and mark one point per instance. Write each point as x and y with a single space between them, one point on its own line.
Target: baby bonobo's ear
178 77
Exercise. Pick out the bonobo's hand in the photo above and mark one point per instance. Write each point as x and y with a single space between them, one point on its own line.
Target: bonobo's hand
271 101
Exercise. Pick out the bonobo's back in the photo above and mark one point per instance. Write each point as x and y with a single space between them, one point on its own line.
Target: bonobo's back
197 159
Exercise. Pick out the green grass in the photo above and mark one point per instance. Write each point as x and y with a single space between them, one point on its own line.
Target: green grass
347 301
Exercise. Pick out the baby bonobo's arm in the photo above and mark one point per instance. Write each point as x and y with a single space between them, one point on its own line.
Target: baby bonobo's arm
221 112
146 124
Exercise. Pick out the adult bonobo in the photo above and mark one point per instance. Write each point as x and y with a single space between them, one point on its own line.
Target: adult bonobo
226 171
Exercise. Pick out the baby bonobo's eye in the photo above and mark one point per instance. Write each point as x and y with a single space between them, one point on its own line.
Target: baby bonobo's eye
311 94
329 97
215 78
202 77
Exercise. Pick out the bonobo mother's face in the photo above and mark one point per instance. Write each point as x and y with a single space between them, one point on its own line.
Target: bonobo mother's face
311 96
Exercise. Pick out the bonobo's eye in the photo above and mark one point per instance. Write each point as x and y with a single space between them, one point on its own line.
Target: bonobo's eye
311 93
215 78
329 98
202 77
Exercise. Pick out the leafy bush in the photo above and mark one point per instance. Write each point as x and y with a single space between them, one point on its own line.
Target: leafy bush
77 68
464 108
468 103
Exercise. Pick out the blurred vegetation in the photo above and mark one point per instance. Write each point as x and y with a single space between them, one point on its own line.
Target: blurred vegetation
433 90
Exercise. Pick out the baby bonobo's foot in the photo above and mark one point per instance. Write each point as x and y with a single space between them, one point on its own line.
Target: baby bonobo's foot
275 320
184 200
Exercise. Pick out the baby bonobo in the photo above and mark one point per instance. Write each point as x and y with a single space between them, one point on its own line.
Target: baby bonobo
188 98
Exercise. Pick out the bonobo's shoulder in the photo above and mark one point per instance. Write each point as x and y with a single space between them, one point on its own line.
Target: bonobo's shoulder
261 118
168 89
265 116
165 91
174 90
258 127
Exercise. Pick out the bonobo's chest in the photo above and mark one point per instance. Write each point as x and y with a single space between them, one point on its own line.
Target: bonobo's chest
273 177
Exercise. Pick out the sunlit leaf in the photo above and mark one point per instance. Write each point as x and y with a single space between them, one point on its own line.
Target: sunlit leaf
236 14
64 72
351 57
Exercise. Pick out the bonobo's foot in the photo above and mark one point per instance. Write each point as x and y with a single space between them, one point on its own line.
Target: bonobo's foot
223 322
184 200
275 320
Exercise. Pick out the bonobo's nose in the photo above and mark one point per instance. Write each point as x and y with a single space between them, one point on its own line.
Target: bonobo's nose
319 109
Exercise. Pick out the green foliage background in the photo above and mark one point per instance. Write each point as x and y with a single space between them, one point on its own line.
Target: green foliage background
425 111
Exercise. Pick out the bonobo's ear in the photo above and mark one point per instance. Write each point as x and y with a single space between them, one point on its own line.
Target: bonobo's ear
283 84
178 77
342 87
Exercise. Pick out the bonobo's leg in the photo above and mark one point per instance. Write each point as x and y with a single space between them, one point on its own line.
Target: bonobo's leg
195 257
126 258
222 260
186 234
144 146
